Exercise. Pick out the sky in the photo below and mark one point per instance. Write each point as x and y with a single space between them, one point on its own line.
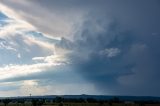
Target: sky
98 47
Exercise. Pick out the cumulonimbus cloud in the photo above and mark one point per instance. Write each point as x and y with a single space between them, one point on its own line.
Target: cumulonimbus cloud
110 43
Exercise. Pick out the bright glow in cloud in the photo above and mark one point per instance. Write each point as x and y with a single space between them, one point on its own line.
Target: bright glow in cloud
53 58
25 47
53 25
11 71
11 14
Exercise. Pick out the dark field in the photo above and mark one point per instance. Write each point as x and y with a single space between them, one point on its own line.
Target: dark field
79 104
59 101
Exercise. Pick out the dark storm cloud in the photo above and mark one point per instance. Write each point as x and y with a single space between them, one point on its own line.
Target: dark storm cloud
96 66
133 71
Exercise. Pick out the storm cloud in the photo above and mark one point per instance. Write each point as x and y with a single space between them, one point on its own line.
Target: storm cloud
112 45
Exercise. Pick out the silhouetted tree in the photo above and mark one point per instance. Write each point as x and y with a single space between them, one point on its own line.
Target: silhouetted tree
58 99
40 102
115 100
91 100
6 101
21 101
34 102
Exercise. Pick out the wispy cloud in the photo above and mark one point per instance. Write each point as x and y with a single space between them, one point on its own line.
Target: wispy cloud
12 71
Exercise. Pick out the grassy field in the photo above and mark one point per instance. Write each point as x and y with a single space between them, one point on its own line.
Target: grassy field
79 104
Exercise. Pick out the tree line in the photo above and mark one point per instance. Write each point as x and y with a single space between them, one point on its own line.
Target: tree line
61 101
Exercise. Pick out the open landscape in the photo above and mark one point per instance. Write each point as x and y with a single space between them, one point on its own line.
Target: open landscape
79 52
81 100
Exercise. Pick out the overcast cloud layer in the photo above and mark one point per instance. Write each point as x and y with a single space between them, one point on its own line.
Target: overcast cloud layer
80 47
